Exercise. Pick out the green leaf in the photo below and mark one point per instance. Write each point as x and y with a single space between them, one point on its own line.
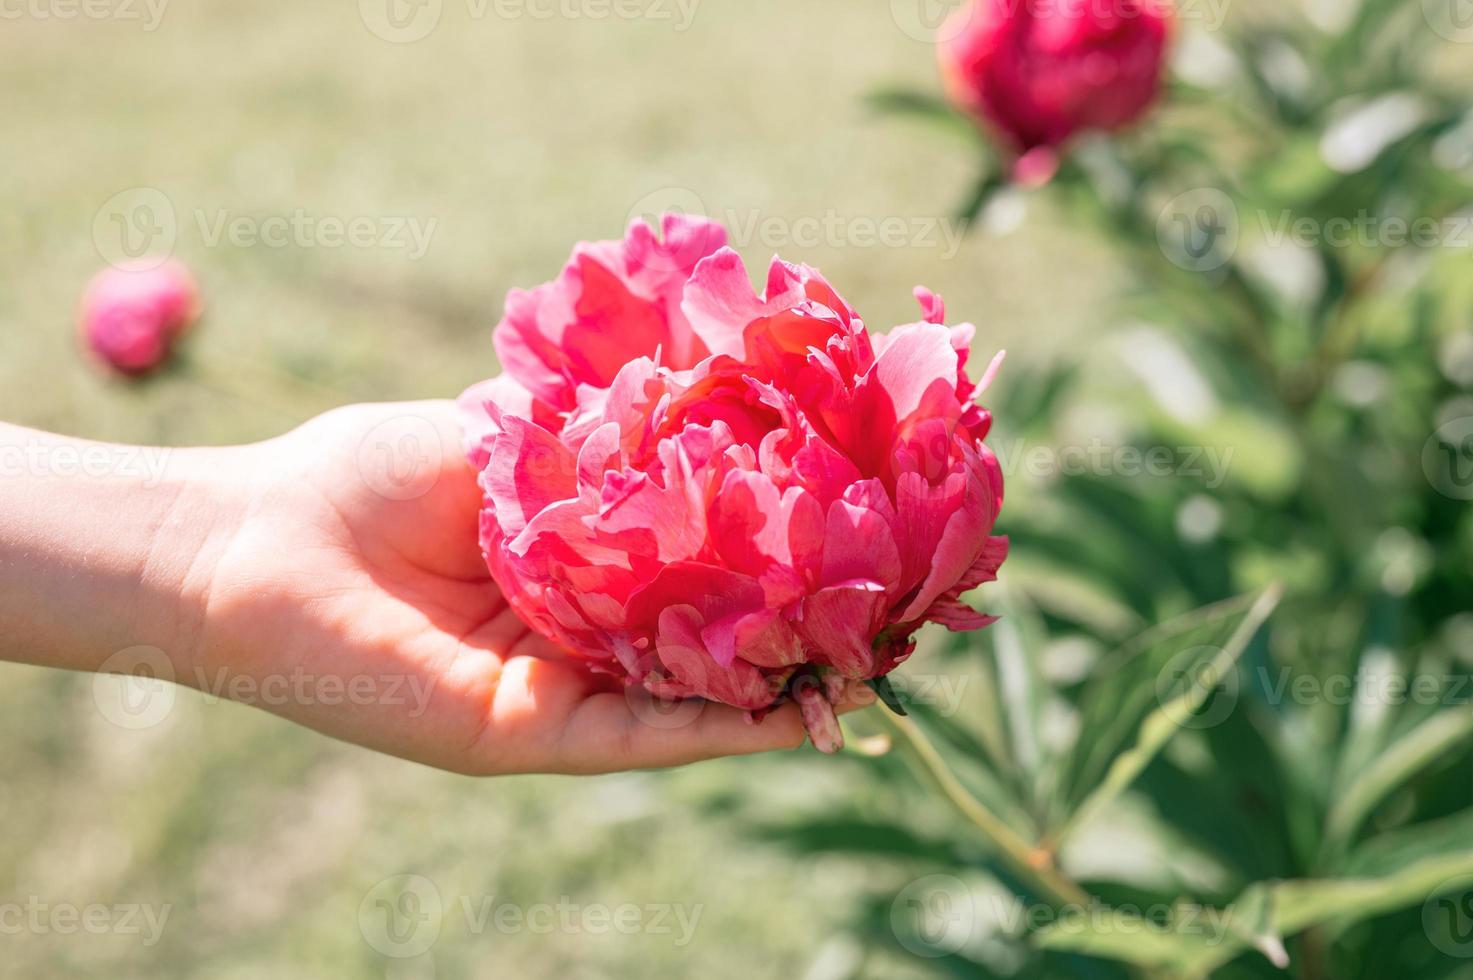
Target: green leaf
1403 759
1015 653
1392 872
856 836
1188 944
886 693
924 107
1436 840
1128 718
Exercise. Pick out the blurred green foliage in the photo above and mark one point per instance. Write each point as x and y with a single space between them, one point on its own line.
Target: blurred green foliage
1284 409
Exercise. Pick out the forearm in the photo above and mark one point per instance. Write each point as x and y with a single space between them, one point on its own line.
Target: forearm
104 548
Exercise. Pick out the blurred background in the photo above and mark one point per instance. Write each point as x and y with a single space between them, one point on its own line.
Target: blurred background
468 145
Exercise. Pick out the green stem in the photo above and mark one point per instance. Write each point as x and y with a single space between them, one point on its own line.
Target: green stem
987 186
1033 864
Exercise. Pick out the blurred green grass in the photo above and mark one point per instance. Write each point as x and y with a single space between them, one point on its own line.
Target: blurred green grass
517 137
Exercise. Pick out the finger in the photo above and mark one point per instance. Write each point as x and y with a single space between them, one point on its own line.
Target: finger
628 730
527 715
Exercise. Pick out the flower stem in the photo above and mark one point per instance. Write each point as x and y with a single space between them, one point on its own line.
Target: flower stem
1033 864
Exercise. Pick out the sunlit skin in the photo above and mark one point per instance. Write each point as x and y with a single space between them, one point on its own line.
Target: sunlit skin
293 560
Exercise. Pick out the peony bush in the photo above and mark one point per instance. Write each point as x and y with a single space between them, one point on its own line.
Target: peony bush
718 494
1204 771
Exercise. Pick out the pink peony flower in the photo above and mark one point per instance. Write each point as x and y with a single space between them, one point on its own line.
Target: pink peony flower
1039 71
131 315
729 496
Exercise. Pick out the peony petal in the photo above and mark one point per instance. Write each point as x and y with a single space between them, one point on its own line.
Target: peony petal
527 469
600 454
859 546
839 624
719 302
933 307
957 616
962 541
747 524
915 372
684 654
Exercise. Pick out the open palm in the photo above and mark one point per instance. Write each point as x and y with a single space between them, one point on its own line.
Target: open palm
353 598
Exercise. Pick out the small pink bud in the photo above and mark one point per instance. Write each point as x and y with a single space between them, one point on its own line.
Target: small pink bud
132 314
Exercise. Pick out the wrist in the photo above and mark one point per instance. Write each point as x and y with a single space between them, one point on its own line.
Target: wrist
192 519
107 548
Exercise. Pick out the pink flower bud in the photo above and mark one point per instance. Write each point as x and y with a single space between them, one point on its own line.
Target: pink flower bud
718 494
1039 71
131 315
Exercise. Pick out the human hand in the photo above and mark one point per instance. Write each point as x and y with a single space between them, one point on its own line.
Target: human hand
353 561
